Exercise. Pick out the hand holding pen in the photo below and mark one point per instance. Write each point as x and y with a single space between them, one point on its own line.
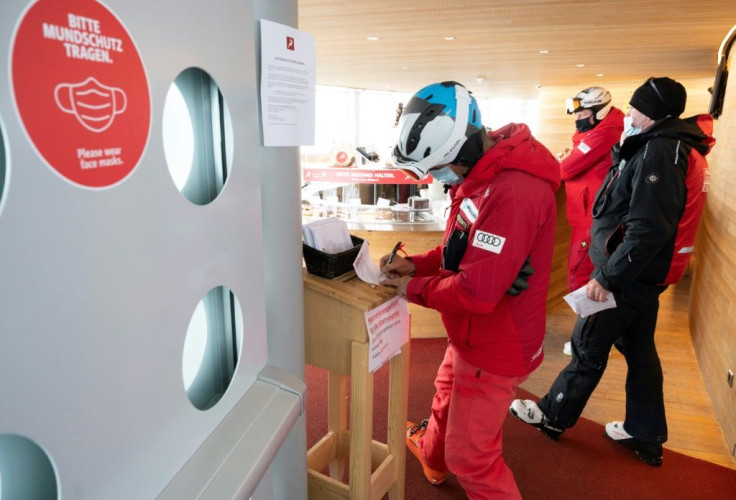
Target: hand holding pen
393 265
386 260
398 270
392 255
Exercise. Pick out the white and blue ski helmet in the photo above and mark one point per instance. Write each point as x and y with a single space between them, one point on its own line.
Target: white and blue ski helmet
434 129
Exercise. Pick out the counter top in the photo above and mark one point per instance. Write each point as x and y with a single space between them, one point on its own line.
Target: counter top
366 222
396 226
350 290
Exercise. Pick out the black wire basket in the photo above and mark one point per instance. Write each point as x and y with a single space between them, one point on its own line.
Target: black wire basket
329 265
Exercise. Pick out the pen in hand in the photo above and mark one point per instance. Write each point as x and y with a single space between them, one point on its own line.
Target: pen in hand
391 256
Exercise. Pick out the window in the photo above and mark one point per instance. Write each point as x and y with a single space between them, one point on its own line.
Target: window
197 136
211 347
26 472
2 166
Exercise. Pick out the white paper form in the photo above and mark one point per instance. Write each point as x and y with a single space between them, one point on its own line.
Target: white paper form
328 235
388 330
365 268
583 306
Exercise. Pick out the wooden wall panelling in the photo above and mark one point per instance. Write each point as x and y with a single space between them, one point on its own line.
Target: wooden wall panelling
713 293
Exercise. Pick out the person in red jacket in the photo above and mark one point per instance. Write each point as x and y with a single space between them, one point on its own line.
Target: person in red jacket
502 220
598 127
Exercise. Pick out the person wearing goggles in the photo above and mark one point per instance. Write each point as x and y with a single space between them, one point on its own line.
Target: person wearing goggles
598 126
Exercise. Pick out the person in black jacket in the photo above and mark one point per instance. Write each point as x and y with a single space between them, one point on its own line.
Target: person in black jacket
645 217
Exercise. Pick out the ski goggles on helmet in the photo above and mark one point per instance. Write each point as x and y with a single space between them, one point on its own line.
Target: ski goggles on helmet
573 105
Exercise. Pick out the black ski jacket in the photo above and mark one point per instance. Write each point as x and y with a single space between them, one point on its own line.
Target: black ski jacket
647 211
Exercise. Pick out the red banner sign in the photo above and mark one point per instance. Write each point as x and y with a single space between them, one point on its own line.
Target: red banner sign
359 176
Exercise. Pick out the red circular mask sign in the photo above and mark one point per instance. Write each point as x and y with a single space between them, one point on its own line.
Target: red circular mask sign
81 90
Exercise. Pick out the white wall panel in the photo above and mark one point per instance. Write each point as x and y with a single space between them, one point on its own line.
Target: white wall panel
97 286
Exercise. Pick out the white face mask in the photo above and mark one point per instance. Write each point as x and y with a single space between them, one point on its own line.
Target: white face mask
629 128
446 175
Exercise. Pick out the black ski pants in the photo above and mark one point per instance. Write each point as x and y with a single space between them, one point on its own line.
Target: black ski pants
630 328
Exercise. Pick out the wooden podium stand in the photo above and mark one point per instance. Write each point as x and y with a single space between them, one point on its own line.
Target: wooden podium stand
336 339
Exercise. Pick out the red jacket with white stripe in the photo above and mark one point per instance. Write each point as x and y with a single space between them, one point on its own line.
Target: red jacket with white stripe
506 210
584 169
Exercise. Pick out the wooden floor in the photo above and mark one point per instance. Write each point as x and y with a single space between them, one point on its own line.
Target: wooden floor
693 428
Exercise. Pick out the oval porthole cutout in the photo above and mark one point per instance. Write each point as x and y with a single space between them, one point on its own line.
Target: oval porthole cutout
212 347
197 136
3 166
26 471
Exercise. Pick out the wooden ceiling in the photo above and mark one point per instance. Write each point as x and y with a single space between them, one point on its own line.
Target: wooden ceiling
500 42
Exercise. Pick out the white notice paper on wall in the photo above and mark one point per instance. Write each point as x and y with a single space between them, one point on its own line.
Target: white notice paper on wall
288 80
388 330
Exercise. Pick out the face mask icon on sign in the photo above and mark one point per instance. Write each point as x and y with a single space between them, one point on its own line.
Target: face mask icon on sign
95 105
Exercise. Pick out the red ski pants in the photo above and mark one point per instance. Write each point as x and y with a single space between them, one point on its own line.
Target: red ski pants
464 431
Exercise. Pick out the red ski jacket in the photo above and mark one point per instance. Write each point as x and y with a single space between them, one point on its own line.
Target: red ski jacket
584 169
505 210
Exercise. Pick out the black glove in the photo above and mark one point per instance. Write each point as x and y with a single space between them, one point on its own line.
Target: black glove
521 282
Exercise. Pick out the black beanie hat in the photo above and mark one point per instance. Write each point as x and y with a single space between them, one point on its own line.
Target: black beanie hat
660 97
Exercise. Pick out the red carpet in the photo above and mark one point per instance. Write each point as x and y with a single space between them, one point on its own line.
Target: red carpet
583 464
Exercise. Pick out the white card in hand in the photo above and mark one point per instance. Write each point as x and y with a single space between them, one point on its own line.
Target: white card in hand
583 306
